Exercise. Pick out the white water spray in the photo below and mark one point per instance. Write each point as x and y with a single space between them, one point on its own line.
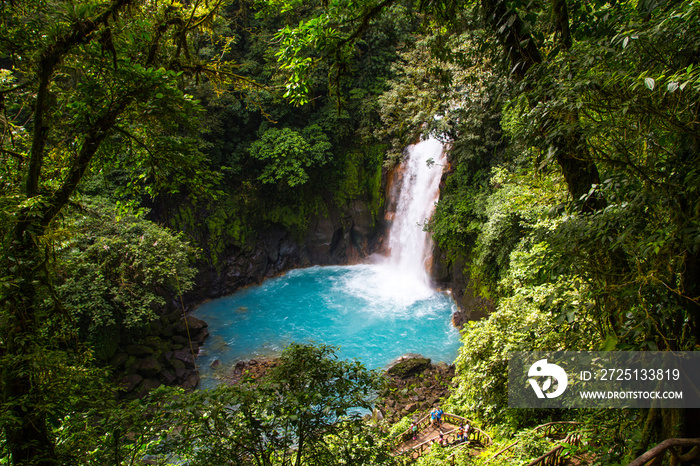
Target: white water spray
376 311
403 277
409 245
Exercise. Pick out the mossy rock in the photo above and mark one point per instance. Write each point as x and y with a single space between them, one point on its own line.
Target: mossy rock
106 342
177 364
139 350
409 367
131 365
149 367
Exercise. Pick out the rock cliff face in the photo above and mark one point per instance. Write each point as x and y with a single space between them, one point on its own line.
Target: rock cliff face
342 236
339 236
453 275
166 355
272 254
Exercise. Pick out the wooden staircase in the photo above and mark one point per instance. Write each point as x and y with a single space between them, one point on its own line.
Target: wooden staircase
427 436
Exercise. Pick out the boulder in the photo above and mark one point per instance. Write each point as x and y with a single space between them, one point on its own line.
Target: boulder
130 382
409 367
185 356
191 322
181 340
202 335
131 365
175 363
409 408
181 373
147 386
443 367
174 316
191 382
119 360
168 377
139 350
149 367
377 415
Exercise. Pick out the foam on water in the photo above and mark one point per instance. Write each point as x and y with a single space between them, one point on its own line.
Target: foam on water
386 287
339 306
374 312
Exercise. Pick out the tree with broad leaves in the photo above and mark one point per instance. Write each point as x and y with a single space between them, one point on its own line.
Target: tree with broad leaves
84 85
304 411
332 34
606 94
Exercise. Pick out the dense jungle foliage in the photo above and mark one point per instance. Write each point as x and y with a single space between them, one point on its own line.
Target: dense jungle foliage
142 140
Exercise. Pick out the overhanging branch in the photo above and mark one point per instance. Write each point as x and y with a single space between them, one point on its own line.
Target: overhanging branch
79 33
670 444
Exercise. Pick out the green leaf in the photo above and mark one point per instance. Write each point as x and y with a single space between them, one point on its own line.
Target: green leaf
609 344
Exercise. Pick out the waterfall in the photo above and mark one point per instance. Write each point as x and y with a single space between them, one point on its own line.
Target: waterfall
402 277
376 312
410 247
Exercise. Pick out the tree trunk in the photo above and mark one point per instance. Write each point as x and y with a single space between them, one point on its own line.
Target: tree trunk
561 22
27 437
579 171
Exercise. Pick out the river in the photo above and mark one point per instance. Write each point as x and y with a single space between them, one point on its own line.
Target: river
375 312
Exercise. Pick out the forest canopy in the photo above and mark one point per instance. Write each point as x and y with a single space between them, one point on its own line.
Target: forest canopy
142 142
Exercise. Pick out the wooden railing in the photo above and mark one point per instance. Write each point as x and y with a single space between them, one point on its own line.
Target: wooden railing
481 437
419 449
549 429
477 436
556 428
404 436
424 422
553 456
449 437
473 435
